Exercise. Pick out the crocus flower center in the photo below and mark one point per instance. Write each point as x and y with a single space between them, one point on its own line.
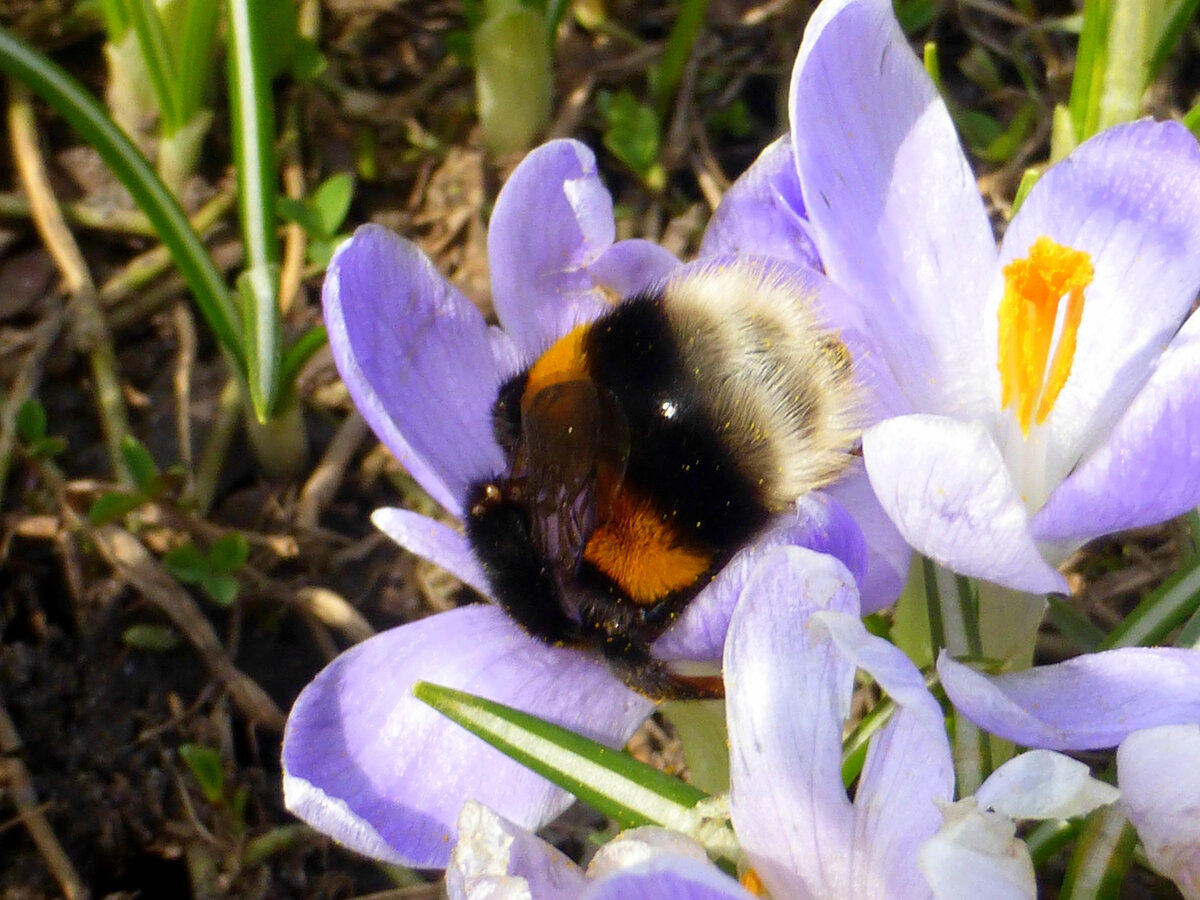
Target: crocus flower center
1034 320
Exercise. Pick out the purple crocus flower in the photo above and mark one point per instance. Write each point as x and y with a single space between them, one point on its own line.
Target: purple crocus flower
1048 390
793 646
363 760
1144 699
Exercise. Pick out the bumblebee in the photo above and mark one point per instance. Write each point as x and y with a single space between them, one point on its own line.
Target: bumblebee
645 448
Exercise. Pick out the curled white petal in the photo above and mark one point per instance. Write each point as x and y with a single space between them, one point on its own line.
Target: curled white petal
1160 785
495 859
640 845
976 854
1042 784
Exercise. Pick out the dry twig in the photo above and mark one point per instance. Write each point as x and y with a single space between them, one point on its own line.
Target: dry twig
89 330
323 483
15 775
134 563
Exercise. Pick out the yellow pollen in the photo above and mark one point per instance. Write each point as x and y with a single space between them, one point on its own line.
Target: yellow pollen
1034 286
752 883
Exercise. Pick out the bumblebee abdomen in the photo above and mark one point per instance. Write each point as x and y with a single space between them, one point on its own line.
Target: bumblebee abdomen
678 461
777 386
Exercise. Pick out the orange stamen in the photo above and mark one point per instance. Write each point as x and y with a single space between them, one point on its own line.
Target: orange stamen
752 883
1034 287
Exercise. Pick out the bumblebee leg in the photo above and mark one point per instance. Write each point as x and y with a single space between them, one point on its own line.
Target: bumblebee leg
633 664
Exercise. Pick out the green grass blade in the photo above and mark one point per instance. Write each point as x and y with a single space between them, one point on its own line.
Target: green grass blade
253 115
1087 85
299 353
608 780
82 111
1103 854
1074 625
1172 33
115 20
1167 607
160 64
197 50
679 47
264 341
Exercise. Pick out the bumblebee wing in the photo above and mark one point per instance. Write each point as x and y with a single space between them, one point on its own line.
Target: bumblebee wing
574 447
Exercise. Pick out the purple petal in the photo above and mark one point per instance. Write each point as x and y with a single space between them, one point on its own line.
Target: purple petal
381 772
1086 703
1160 788
668 878
787 695
495 858
892 201
888 554
763 212
908 772
416 358
944 484
629 267
1129 197
438 543
818 524
552 219
1147 470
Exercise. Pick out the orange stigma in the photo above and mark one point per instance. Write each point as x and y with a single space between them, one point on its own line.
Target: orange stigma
1034 288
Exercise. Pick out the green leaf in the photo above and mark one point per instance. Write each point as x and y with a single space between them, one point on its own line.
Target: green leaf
1102 856
258 30
664 77
915 14
458 45
1165 608
331 200
197 50
206 767
291 210
1028 179
113 505
608 780
221 588
229 552
307 60
31 421
301 352
188 563
115 21
632 135
320 253
279 25
1074 625
264 340
140 464
978 129
46 448
160 64
157 638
